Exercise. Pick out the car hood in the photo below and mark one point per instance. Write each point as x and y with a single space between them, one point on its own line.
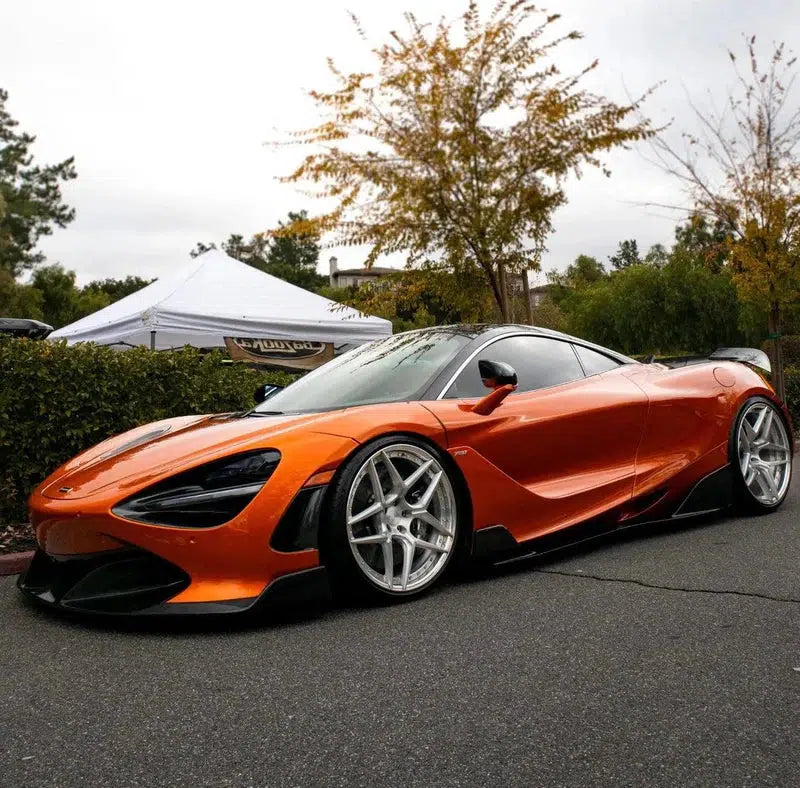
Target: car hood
168 445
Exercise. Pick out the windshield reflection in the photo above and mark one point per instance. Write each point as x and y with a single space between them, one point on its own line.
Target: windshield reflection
396 369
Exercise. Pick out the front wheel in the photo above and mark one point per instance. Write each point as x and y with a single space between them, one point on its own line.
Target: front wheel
762 454
394 520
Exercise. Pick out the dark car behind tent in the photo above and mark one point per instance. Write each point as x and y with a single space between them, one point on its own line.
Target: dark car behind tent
18 327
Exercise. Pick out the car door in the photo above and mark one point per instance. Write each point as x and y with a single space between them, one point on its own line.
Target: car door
564 443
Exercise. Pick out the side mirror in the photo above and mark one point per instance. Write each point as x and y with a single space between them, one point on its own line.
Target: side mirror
495 374
265 392
498 376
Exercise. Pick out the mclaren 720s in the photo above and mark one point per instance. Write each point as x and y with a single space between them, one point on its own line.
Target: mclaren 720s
375 473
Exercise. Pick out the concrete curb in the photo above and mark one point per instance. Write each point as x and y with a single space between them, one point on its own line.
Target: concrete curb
15 563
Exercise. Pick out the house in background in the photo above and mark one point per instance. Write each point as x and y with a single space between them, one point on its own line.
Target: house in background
539 294
347 277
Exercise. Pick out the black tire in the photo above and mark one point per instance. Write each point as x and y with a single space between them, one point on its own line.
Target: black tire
744 499
349 580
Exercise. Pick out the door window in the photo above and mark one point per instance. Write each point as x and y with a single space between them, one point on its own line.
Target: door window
593 362
540 362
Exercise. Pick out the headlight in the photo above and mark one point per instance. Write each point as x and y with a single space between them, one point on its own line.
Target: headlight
205 496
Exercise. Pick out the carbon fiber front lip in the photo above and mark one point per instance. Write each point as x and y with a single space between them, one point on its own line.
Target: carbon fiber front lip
127 580
63 584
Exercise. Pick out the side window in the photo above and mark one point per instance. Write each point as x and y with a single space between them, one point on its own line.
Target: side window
539 362
593 362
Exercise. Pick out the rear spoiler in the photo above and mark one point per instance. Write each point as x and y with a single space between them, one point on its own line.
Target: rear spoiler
745 355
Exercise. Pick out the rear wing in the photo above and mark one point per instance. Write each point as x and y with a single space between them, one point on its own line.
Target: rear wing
746 355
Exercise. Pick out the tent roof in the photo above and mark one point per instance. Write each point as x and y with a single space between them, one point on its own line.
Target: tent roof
214 296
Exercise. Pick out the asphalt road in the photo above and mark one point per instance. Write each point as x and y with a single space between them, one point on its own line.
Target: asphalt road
669 658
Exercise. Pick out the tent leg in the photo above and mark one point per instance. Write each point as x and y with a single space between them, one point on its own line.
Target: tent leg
152 340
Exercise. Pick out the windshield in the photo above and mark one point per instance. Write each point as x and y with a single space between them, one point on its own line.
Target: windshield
396 369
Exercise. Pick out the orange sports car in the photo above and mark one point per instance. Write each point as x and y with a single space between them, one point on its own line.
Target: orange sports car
376 472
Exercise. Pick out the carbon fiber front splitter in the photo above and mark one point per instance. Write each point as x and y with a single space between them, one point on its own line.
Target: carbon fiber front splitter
134 582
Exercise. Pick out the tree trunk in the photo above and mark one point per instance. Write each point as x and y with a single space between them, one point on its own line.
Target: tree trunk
775 335
494 283
526 292
501 277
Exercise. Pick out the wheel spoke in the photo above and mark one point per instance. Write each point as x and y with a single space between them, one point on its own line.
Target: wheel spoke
370 511
759 421
388 563
394 474
372 539
772 446
427 517
773 463
423 545
765 422
427 496
377 488
747 431
765 474
417 475
408 560
745 462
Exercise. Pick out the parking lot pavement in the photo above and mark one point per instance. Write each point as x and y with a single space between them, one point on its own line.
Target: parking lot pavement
666 658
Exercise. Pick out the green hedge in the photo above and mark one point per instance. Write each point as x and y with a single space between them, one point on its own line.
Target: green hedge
56 401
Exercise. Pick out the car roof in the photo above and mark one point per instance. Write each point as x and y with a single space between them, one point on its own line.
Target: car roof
493 330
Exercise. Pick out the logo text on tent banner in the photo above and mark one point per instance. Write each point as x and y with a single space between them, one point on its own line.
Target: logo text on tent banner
289 353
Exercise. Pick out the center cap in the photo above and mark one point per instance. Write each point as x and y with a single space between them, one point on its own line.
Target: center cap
395 519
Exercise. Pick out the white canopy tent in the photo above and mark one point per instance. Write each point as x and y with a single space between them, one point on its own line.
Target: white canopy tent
215 296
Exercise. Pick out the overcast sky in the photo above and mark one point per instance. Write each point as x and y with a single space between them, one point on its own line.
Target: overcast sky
166 106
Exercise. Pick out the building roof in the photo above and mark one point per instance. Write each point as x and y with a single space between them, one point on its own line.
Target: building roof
373 271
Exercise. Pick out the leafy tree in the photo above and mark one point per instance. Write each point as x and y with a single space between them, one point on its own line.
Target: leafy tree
59 294
430 295
53 297
468 143
293 256
547 314
585 270
290 254
657 255
742 171
627 255
680 307
709 241
18 300
117 288
61 302
671 302
201 248
30 196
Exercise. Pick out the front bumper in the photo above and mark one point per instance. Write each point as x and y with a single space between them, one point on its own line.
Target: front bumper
131 581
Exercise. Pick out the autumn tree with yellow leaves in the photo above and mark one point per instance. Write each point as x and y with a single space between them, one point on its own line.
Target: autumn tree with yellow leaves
456 146
741 169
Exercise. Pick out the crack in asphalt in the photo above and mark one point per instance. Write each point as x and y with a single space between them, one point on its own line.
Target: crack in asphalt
643 584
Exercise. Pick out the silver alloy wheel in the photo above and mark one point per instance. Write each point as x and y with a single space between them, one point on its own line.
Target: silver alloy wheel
401 518
765 454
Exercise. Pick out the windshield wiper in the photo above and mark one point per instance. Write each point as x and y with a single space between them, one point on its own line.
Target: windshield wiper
266 413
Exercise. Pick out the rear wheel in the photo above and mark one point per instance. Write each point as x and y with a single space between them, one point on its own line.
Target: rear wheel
394 520
762 454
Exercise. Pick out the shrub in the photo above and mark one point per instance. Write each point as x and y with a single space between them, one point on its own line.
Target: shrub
56 401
